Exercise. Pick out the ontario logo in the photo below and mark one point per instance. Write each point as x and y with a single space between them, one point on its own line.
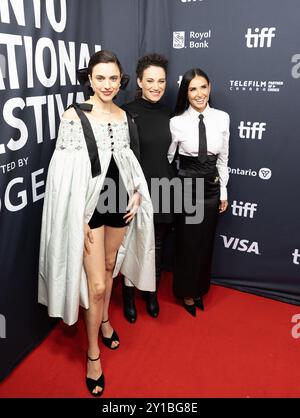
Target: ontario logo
263 173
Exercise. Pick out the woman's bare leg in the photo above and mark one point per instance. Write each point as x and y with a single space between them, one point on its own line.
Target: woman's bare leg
113 239
94 264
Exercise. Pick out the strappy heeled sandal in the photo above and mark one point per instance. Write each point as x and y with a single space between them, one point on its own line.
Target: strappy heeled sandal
92 383
107 341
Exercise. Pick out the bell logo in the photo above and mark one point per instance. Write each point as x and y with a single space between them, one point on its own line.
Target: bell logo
260 37
179 40
252 130
265 173
240 245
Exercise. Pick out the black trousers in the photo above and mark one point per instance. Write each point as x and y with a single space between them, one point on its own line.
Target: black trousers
161 231
194 242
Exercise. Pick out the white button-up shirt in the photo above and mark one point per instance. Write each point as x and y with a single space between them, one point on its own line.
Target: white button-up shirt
185 135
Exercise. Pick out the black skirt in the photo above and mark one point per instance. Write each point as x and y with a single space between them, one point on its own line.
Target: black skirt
194 242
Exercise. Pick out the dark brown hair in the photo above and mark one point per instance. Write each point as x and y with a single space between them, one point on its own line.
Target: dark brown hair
182 102
101 57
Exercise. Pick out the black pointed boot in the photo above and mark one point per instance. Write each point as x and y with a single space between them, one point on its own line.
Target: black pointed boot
152 305
129 308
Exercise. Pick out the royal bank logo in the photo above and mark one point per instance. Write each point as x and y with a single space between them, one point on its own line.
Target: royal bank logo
255 86
238 244
261 38
296 256
245 210
251 130
263 173
179 39
296 68
191 39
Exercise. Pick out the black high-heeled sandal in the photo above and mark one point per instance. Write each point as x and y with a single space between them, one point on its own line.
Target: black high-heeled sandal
92 383
107 341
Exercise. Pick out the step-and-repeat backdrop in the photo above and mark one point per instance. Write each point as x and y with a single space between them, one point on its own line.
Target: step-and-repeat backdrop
250 50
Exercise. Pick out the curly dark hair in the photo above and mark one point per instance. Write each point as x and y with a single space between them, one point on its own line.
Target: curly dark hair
147 61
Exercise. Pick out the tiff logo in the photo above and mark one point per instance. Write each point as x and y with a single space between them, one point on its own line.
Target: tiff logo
2 326
296 256
246 209
258 39
251 130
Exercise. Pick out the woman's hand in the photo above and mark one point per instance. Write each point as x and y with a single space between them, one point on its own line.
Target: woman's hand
88 240
132 207
223 205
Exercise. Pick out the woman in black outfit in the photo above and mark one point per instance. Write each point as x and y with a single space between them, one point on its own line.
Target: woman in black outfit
152 119
200 134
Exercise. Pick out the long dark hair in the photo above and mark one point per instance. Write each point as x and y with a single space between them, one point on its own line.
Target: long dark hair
147 61
182 102
101 57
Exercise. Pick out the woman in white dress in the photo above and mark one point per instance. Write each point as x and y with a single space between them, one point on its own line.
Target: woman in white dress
82 247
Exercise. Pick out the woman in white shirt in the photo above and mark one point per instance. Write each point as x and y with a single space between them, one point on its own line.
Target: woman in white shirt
200 135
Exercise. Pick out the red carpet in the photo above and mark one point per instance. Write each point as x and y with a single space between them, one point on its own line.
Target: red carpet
241 346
